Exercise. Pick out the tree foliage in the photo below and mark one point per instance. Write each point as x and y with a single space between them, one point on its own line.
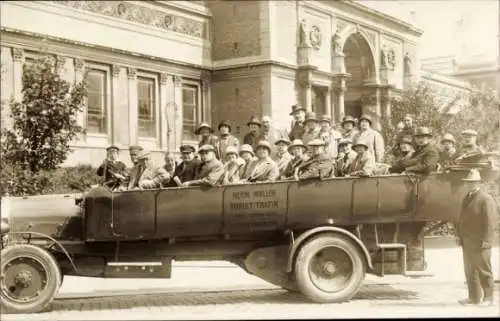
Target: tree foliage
44 122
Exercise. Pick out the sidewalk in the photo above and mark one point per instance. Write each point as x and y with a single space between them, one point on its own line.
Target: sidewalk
444 265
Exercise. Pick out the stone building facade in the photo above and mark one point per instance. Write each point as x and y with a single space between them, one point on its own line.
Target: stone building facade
158 68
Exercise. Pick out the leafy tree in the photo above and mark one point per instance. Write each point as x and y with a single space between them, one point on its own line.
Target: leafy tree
44 122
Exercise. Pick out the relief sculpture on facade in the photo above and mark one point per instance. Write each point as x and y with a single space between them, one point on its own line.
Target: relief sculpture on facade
336 45
136 13
407 65
303 34
315 37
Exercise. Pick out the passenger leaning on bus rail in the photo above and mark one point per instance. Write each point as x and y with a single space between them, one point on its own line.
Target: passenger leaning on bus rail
426 157
186 169
146 175
448 151
364 163
406 151
319 165
232 166
210 171
283 157
297 149
470 145
113 171
247 155
265 169
345 157
134 151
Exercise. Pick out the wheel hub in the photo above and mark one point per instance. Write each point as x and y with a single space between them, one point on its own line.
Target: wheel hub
24 278
329 268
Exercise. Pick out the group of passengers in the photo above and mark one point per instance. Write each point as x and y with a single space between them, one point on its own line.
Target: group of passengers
311 149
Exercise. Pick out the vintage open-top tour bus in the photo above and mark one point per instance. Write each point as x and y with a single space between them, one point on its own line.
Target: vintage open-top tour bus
319 237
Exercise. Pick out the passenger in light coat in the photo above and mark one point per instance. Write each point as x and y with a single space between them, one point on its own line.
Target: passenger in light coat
210 171
247 154
319 165
282 157
232 167
371 137
265 169
329 135
145 175
364 163
349 130
345 157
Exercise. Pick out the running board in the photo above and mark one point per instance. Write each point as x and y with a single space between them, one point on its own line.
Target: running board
154 269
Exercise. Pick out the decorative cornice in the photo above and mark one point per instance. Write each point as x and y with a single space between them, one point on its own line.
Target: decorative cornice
17 54
131 72
116 70
140 14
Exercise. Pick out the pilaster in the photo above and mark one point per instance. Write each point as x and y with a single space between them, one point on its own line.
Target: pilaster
133 110
17 68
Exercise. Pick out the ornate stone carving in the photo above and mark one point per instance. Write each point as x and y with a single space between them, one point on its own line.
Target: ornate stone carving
383 57
79 63
116 70
131 72
391 58
341 25
163 78
135 12
303 34
336 45
177 81
407 65
304 80
17 54
315 37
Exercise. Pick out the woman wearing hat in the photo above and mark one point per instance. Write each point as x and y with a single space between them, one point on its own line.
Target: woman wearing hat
448 151
349 130
253 136
371 137
364 163
265 169
297 150
406 151
232 166
225 139
282 157
329 135
248 156
345 157
312 128
207 136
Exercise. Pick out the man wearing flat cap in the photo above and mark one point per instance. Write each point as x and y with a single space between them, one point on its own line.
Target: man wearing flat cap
146 175
134 151
319 165
210 171
282 157
112 170
371 137
298 127
470 146
225 140
426 157
448 151
207 136
186 169
264 169
253 136
475 231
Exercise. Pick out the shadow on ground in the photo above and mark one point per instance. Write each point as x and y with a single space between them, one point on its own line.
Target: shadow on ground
368 292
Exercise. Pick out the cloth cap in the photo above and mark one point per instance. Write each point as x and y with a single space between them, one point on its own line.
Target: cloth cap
423 131
254 120
144 155
265 144
366 117
187 149
348 119
112 147
448 138
135 148
231 150
316 142
206 148
283 140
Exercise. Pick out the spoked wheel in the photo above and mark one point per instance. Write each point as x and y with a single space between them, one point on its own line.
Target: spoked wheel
30 278
329 268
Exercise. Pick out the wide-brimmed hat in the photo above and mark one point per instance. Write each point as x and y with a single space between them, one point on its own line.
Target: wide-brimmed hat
283 140
231 150
448 138
367 118
246 148
348 119
203 125
206 148
325 118
112 147
254 120
144 155
360 143
310 116
469 132
345 141
187 149
316 142
265 144
297 143
224 123
296 108
423 131
135 148
473 176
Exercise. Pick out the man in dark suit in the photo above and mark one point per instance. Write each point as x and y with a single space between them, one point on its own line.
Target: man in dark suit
186 170
426 157
475 235
112 170
210 171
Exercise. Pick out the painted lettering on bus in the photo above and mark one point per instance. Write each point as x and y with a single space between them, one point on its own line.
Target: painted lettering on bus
244 206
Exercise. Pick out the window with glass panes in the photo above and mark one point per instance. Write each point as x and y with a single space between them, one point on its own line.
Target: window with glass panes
97 115
190 111
146 93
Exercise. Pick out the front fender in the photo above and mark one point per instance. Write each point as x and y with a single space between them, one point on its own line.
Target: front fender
325 229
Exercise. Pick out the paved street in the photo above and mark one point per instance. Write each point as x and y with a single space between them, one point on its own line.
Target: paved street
217 290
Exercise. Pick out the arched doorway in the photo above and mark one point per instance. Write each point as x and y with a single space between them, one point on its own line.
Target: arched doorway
360 64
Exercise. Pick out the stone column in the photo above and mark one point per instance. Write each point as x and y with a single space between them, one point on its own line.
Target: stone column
178 118
164 128
133 108
340 87
79 73
206 95
328 103
170 110
307 89
118 120
18 60
385 102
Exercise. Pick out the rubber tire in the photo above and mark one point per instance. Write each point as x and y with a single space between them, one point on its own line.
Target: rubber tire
53 278
307 252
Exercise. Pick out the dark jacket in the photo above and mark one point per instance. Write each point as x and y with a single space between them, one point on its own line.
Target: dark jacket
477 220
252 139
317 167
290 168
398 165
108 169
297 131
424 160
446 158
185 172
